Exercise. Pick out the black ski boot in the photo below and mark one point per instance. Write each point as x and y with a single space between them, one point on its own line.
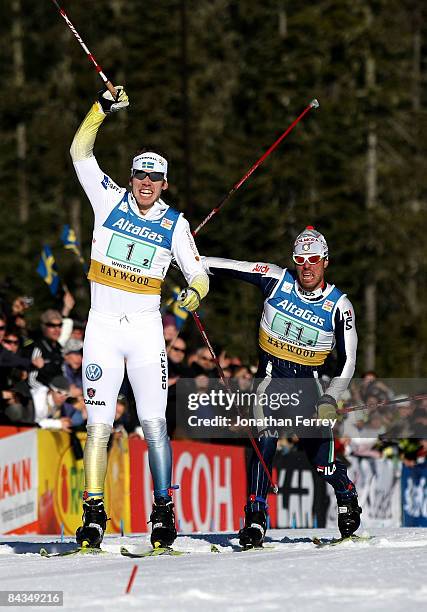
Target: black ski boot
349 513
253 532
94 524
162 518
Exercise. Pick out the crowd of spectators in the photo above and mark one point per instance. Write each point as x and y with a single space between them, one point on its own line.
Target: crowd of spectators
41 385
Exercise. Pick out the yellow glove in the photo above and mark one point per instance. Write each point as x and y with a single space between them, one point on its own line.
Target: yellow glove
191 297
110 104
327 407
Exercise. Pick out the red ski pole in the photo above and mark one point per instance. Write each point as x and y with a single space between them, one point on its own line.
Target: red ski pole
98 68
313 104
204 335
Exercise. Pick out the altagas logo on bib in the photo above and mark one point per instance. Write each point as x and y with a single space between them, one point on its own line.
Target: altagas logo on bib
302 313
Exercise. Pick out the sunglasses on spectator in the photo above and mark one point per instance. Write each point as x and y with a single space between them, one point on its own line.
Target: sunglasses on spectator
301 259
177 348
206 358
53 324
2 327
155 177
6 341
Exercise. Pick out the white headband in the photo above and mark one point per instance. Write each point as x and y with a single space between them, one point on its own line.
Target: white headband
150 162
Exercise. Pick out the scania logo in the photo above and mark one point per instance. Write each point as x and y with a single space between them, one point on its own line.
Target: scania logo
93 372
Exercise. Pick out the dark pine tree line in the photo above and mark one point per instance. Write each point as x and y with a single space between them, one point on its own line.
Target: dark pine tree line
213 84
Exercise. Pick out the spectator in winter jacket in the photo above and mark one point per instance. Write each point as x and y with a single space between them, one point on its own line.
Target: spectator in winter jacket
73 357
49 348
49 404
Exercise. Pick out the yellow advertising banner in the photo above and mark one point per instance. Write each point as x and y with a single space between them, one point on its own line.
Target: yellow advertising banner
61 483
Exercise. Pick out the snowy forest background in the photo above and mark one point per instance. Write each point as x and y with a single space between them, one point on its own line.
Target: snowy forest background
213 83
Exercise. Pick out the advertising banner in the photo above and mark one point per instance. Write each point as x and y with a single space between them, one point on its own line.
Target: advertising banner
61 478
377 482
18 483
212 486
302 500
414 495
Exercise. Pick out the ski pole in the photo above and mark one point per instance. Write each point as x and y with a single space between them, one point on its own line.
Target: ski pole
98 68
410 398
313 104
204 335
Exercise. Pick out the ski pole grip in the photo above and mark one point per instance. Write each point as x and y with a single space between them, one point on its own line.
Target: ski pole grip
111 89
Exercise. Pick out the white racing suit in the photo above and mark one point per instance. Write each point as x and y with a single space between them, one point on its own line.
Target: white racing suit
130 257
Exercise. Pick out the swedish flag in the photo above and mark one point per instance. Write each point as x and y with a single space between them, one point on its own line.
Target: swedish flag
179 313
70 242
47 270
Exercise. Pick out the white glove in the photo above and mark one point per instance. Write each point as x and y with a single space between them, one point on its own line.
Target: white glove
110 104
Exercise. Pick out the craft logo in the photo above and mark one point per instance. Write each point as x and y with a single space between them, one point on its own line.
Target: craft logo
164 370
93 372
108 183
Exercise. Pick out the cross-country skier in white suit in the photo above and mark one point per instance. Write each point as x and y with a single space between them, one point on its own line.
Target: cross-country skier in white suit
135 236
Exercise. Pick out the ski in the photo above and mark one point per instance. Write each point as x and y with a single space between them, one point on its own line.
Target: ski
265 548
335 541
74 551
154 552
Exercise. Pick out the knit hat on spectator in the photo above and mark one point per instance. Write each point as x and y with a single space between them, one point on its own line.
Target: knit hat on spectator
73 346
59 383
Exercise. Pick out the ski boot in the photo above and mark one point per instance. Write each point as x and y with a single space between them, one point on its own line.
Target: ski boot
94 518
253 532
162 519
349 513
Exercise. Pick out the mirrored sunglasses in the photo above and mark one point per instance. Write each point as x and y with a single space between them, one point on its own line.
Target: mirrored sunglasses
301 259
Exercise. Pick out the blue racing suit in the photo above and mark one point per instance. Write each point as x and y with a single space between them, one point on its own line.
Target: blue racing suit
298 330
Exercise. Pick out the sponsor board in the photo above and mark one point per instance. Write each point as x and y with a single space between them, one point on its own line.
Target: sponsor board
414 495
62 484
18 483
377 482
212 486
302 500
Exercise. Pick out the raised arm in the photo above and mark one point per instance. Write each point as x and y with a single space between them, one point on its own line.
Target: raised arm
99 188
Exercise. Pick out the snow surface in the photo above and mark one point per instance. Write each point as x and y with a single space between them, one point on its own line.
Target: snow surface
386 573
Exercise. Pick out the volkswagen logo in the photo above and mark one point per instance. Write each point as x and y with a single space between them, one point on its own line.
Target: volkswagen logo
93 372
